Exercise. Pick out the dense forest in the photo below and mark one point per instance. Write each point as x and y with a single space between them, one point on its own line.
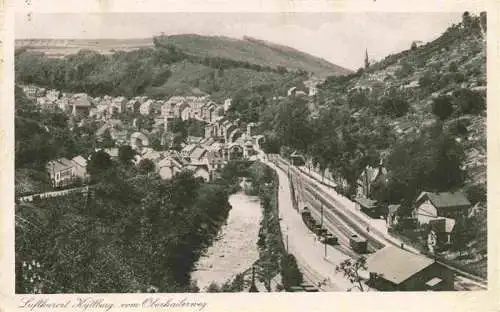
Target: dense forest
157 72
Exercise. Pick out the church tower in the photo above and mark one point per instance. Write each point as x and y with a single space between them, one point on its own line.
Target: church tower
367 63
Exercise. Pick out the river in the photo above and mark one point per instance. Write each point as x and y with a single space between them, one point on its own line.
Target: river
236 250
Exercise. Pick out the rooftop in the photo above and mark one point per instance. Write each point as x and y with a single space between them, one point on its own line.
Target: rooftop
80 160
445 199
60 164
366 202
396 265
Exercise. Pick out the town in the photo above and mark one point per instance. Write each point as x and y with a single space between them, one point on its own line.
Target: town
288 179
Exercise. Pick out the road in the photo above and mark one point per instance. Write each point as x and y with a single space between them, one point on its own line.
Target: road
303 244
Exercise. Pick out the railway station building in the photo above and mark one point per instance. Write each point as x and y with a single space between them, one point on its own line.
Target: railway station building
395 269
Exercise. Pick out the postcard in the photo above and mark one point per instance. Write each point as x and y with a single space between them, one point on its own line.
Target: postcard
239 156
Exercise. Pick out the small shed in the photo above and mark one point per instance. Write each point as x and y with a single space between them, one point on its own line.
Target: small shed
297 159
370 207
395 269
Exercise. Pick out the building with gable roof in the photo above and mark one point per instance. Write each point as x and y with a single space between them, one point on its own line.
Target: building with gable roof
430 206
395 269
368 177
63 171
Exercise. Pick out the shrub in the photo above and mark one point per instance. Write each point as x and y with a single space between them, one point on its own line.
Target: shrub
468 102
476 193
290 273
442 107
395 106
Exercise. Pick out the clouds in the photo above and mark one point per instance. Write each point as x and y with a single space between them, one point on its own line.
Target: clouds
338 37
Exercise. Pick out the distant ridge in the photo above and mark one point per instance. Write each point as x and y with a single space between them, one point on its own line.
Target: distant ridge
248 49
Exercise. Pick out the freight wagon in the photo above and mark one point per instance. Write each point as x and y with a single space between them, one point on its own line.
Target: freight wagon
358 244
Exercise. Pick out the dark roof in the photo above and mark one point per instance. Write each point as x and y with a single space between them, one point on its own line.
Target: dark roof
446 199
396 265
81 100
366 202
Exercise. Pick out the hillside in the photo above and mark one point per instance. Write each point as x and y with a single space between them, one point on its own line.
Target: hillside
451 68
176 65
256 52
421 114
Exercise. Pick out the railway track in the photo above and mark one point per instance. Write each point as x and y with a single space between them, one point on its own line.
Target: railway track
344 222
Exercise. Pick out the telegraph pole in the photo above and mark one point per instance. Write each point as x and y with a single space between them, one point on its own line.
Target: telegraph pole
321 214
324 241
287 241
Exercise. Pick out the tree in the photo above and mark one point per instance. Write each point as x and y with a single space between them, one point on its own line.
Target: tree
99 161
442 107
126 154
351 269
291 275
106 140
146 165
468 102
482 18
395 106
413 46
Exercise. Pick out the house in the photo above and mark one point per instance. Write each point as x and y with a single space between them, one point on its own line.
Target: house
440 232
80 167
64 172
392 215
53 95
113 152
80 104
218 113
61 172
200 171
118 105
215 159
368 177
227 104
119 136
63 103
134 105
187 150
291 91
395 269
46 104
297 159
168 167
198 154
185 112
430 206
194 139
145 107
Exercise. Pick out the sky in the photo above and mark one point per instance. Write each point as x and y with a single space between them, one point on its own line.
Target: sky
340 38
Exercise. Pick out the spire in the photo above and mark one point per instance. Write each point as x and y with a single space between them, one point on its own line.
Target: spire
367 63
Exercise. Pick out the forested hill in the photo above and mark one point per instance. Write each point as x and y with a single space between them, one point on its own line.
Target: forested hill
173 65
422 111
255 51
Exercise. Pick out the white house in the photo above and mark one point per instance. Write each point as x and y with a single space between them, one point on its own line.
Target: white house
168 167
63 171
145 107
430 206
200 171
